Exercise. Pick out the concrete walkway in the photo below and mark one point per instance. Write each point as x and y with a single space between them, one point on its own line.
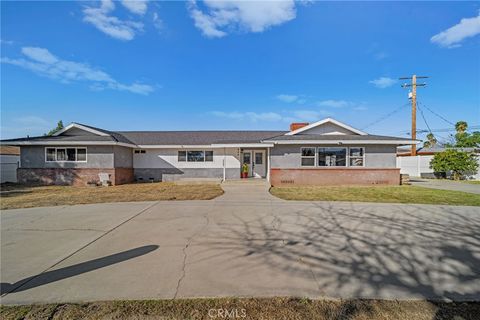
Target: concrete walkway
446 185
244 243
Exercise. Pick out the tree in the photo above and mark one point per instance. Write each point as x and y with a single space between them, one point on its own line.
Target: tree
431 141
456 161
463 139
461 126
58 128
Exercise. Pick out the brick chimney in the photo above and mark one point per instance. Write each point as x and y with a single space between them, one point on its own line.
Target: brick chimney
297 125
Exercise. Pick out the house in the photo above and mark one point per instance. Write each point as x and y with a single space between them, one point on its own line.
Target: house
9 162
326 152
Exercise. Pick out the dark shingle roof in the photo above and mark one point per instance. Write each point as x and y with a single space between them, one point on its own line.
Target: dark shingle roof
115 135
329 137
197 137
59 138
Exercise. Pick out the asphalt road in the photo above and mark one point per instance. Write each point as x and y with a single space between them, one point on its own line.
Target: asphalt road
245 243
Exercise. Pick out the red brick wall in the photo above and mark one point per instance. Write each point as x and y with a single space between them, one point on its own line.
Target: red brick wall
334 176
124 175
72 176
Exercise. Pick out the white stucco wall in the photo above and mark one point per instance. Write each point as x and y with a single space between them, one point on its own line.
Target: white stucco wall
168 158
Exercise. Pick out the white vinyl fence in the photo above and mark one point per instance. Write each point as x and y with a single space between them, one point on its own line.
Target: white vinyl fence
419 166
8 168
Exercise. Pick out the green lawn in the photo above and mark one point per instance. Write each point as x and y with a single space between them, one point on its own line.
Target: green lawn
395 194
249 308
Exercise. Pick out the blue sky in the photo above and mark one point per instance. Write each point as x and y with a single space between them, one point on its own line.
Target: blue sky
235 65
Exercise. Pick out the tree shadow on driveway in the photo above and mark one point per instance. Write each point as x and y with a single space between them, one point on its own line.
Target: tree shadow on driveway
74 270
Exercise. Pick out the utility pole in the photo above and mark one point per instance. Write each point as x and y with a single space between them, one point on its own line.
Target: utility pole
413 84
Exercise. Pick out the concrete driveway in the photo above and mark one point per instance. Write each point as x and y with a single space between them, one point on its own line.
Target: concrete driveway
446 185
245 243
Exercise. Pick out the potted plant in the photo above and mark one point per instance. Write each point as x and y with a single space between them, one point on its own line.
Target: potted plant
245 171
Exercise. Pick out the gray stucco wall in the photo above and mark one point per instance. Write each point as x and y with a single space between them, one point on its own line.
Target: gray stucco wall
172 174
97 157
376 156
123 157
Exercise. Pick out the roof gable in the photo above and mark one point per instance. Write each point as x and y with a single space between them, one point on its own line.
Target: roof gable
327 126
77 129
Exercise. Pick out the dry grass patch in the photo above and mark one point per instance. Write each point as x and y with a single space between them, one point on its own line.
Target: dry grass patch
251 308
14 196
387 194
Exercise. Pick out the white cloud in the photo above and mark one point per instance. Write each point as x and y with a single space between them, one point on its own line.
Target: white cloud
360 108
44 63
218 17
335 103
32 121
383 82
297 115
110 25
136 6
310 115
252 116
451 38
157 22
287 97
26 125
380 55
2 41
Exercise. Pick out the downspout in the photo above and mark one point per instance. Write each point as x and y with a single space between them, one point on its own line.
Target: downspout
224 164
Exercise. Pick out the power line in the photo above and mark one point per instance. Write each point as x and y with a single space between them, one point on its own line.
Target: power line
451 129
424 120
446 120
386 116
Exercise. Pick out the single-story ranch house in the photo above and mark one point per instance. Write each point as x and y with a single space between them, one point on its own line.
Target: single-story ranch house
326 152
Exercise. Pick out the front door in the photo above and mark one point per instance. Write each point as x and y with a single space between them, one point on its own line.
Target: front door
258 167
247 159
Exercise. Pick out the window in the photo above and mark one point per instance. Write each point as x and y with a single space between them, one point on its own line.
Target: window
81 154
258 158
50 154
308 157
332 157
71 154
209 156
195 156
61 155
182 156
139 151
66 154
356 157
246 157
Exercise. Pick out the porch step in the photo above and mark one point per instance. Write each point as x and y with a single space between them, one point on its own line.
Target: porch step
249 181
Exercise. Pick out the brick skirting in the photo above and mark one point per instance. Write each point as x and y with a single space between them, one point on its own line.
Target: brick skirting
334 176
72 176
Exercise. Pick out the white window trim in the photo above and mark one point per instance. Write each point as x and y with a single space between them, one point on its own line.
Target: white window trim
347 165
139 151
309 157
202 150
66 147
363 157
